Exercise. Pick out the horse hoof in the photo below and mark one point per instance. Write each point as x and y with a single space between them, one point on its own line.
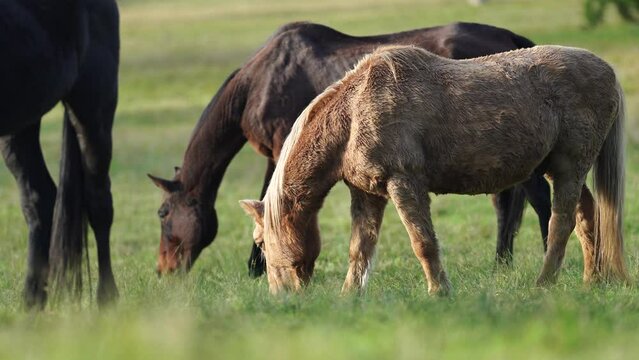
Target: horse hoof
444 289
546 280
35 295
107 295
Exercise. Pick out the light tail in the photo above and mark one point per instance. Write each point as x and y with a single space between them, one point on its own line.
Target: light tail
609 178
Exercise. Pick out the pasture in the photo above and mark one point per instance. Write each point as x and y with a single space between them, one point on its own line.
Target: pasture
174 57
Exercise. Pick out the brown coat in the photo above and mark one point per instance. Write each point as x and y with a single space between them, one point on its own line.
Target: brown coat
406 122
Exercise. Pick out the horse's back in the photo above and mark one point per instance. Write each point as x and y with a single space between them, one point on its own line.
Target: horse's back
309 57
487 123
301 59
573 82
556 63
462 40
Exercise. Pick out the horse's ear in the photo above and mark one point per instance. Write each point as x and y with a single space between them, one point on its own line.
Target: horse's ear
166 185
255 209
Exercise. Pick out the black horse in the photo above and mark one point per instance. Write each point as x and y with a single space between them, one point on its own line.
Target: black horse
51 51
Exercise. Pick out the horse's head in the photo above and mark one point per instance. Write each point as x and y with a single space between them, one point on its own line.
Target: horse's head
188 225
289 261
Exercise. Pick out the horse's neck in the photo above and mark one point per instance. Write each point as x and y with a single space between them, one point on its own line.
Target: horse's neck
215 140
314 163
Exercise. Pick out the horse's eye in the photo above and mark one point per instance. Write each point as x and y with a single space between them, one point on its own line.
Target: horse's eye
163 212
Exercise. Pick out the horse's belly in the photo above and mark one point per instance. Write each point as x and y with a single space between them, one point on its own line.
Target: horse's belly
488 159
471 184
483 173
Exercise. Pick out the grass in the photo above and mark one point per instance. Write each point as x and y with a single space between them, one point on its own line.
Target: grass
174 57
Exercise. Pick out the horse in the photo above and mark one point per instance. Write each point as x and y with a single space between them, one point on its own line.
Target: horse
61 51
405 123
259 103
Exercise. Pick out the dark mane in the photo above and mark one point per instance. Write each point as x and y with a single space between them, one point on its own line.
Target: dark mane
214 102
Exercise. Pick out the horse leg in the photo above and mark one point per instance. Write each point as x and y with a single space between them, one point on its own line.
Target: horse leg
509 205
367 212
93 124
23 156
256 262
413 204
538 194
562 222
312 248
585 228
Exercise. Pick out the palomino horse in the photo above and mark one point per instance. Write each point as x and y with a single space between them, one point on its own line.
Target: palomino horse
260 102
406 122
61 51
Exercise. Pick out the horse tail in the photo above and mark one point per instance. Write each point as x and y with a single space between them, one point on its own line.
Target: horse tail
69 231
608 178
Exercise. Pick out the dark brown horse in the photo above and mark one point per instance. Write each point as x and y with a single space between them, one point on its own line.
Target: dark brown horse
68 51
260 102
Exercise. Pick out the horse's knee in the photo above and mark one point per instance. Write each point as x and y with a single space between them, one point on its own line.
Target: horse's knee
563 222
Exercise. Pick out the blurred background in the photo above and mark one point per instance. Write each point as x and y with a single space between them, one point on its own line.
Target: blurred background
174 56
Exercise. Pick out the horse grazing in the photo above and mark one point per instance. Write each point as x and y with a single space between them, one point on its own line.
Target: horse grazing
61 51
260 103
406 122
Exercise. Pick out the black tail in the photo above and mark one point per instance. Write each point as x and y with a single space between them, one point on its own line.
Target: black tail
69 232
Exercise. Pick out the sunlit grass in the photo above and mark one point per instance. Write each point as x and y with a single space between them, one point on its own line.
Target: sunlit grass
175 54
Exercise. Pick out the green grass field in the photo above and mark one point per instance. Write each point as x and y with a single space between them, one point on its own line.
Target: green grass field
175 55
